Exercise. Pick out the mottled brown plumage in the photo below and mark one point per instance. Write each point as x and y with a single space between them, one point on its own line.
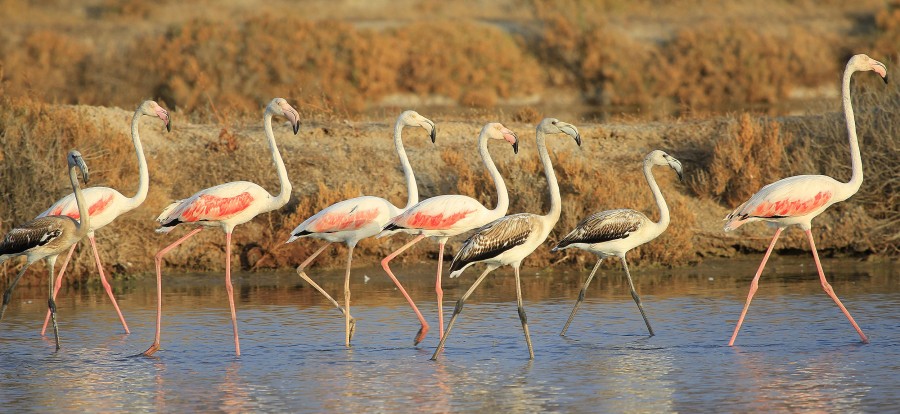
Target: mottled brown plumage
604 226
494 238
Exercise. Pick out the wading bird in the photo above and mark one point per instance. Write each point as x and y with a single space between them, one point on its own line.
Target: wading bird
226 206
797 200
350 221
47 237
615 232
445 216
106 204
510 239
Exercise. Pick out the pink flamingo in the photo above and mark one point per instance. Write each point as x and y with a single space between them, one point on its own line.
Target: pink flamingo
106 204
226 206
797 200
47 237
445 216
350 221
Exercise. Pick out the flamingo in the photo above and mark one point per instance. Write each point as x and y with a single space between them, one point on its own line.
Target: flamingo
615 232
106 204
510 239
350 221
46 237
226 206
445 216
797 200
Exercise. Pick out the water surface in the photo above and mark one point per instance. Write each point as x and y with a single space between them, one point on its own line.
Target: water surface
795 352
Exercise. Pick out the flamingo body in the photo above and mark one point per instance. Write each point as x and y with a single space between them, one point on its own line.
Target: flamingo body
225 205
104 205
443 216
347 221
793 200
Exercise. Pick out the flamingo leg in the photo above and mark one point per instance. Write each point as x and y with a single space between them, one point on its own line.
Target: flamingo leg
230 289
634 295
8 293
458 309
438 289
522 316
159 256
58 285
105 283
830 291
347 318
51 304
754 285
302 273
385 263
580 297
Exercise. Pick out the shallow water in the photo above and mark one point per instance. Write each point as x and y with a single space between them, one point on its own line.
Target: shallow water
795 352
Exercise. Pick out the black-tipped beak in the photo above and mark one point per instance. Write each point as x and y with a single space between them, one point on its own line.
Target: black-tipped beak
516 147
885 79
680 175
296 127
578 139
433 133
169 126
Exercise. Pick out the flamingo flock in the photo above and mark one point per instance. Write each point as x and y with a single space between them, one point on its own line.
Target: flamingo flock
495 238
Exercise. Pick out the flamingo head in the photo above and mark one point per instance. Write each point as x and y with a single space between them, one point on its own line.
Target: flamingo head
555 126
151 108
76 160
412 118
862 62
279 106
496 130
658 157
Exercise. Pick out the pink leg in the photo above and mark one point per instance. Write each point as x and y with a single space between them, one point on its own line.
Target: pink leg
830 291
155 346
385 264
106 283
230 289
754 285
439 290
58 285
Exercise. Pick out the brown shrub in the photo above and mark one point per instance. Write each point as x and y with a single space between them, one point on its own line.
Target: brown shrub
887 23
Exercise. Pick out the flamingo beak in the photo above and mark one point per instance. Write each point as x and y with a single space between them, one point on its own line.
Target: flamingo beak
79 162
164 115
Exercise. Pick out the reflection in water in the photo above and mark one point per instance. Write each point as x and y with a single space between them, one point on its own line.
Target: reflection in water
795 356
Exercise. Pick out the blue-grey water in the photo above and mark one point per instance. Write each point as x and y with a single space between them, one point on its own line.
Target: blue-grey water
796 351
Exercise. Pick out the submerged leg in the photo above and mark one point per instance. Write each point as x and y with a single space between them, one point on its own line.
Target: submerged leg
458 309
385 263
347 319
51 264
522 316
159 256
438 289
581 297
58 285
634 295
230 289
830 291
301 270
754 285
105 283
8 293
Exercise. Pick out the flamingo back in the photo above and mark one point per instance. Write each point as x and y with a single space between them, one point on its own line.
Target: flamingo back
444 215
236 202
793 199
104 205
358 218
603 227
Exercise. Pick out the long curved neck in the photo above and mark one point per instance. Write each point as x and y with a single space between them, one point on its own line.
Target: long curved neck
663 222
143 175
285 193
856 177
502 194
84 220
555 199
412 190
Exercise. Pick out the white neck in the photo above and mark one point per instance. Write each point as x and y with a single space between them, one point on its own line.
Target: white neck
555 199
84 220
663 222
143 175
851 187
285 193
412 191
502 194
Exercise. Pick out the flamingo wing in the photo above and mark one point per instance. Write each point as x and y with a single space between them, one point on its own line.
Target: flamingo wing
438 213
347 215
604 226
212 204
791 197
34 233
98 199
493 239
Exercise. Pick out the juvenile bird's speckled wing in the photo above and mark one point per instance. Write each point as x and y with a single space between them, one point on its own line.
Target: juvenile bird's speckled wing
494 238
34 233
604 226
